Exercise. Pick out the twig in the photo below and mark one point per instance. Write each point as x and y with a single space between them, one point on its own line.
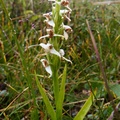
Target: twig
14 100
99 61
111 97
81 101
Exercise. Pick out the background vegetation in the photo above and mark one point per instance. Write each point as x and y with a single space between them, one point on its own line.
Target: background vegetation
21 25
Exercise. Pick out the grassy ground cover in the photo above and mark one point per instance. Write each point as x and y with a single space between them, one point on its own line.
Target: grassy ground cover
21 25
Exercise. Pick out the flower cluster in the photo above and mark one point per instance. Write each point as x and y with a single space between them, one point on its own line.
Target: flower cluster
61 32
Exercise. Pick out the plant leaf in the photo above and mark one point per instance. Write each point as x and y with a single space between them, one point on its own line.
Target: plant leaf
81 114
49 107
115 89
61 96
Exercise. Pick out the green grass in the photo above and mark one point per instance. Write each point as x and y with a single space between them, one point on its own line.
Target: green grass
18 64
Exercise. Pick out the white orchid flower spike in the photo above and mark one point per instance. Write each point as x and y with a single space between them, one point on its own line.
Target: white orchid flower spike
62 53
46 66
49 49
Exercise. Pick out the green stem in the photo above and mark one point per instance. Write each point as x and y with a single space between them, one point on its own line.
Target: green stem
56 61
55 85
55 69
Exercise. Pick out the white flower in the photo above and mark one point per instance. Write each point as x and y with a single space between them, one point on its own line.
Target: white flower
62 53
65 3
46 66
65 12
47 15
65 35
49 49
66 29
50 23
50 34
65 16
